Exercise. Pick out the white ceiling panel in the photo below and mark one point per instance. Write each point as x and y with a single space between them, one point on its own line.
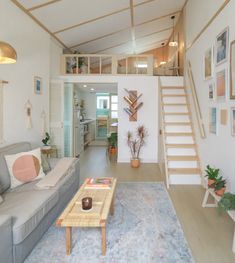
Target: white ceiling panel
144 48
136 2
95 29
154 26
106 42
155 9
29 4
98 87
66 13
153 38
125 48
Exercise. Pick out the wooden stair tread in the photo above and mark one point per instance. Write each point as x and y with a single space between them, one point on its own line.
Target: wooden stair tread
184 171
183 146
173 95
177 123
172 87
178 133
176 113
174 104
182 158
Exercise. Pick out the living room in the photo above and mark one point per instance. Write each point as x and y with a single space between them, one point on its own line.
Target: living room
156 214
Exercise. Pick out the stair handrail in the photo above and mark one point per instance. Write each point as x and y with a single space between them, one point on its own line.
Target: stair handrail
196 101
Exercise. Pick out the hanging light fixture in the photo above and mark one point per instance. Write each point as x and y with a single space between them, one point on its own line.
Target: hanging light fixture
173 43
7 53
163 55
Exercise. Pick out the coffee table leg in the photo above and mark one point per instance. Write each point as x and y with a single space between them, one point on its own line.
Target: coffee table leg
68 240
112 207
103 232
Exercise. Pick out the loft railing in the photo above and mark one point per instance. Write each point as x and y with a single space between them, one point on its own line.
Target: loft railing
196 101
90 64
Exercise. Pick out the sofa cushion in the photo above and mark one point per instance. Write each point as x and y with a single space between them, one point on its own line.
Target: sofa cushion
4 174
24 167
27 207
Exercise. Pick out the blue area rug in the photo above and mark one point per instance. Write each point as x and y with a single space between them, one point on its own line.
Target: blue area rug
144 229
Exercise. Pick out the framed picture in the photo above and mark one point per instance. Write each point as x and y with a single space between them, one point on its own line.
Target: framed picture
233 121
211 93
221 84
37 85
232 70
208 63
213 119
222 46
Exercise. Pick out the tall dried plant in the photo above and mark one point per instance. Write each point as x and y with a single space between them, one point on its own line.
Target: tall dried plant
136 144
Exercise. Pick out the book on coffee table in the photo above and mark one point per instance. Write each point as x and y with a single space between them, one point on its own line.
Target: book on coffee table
99 183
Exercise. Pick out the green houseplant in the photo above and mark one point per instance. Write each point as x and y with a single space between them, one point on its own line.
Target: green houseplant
112 142
227 202
212 174
46 140
135 144
220 186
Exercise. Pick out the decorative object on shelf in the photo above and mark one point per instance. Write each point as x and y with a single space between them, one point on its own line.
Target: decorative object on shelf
220 186
134 105
227 202
208 63
212 174
7 53
173 43
135 144
232 70
221 48
37 85
223 117
233 121
46 141
211 91
28 108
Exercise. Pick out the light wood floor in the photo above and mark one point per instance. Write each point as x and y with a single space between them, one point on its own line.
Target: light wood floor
208 233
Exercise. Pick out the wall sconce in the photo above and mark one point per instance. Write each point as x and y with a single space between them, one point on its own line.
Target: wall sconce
7 53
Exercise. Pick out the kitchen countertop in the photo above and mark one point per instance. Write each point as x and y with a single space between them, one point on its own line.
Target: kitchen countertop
86 121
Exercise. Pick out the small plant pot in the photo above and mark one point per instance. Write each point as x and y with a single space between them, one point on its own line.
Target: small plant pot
112 150
46 147
211 183
220 192
135 163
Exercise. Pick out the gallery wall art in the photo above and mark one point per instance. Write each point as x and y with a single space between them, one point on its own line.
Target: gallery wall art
208 63
213 119
221 47
232 70
221 83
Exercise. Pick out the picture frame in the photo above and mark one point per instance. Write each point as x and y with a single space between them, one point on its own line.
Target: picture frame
232 70
213 120
233 121
211 91
208 63
221 84
37 85
221 46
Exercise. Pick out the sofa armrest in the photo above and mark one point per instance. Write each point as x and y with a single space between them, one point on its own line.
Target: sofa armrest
6 244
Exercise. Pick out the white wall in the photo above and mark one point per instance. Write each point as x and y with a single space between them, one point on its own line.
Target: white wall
147 115
218 151
33 49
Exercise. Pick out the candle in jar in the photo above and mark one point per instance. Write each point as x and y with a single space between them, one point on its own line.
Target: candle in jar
86 203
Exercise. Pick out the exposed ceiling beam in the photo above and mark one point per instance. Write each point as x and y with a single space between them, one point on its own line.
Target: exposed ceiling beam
126 42
113 33
38 22
43 5
132 26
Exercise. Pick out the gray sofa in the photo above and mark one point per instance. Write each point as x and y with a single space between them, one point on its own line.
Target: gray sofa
26 213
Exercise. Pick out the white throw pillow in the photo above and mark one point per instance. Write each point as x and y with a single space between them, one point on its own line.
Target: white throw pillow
1 200
25 167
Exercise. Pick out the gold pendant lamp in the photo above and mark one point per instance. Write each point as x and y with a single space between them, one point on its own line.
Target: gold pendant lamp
7 53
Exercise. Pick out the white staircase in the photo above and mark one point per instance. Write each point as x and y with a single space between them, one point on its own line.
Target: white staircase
182 164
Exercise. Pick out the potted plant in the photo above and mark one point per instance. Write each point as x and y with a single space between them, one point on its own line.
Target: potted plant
220 186
227 202
135 145
212 174
78 63
46 141
112 141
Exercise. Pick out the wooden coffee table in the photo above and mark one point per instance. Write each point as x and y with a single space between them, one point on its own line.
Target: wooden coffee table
73 216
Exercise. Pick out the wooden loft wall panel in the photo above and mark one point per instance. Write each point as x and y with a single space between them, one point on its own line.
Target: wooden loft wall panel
158 54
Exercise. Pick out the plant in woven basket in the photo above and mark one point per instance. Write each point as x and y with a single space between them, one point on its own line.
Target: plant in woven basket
212 174
227 202
135 144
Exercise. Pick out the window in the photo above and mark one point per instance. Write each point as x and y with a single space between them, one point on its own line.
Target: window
1 113
114 106
102 102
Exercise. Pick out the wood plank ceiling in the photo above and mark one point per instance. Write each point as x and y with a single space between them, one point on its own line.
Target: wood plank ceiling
105 26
